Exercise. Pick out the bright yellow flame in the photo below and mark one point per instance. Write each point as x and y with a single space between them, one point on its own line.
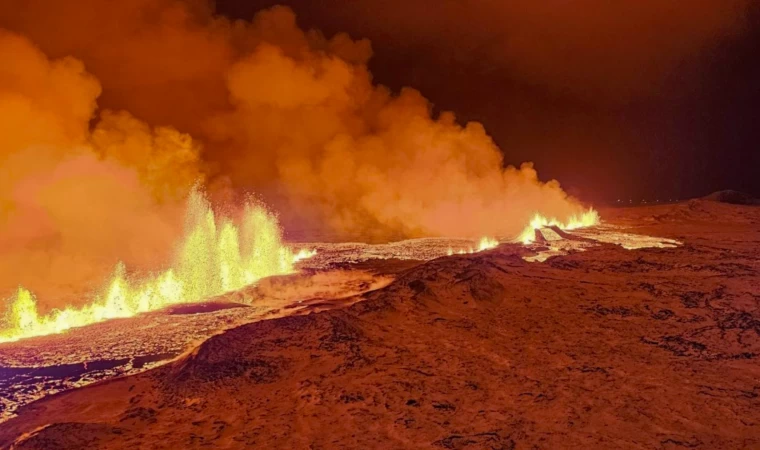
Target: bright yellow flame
587 219
213 258
486 243
304 254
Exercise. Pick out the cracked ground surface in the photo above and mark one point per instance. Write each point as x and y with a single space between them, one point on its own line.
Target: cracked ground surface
605 348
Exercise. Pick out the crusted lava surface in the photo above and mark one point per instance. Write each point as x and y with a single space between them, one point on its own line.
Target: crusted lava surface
604 348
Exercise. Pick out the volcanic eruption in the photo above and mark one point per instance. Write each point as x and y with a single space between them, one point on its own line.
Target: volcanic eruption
214 257
289 114
249 233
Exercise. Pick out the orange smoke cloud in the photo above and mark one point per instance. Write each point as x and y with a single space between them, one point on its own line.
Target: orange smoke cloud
257 104
367 160
74 202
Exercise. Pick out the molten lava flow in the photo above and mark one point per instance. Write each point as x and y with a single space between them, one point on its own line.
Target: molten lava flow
486 243
304 254
587 219
215 256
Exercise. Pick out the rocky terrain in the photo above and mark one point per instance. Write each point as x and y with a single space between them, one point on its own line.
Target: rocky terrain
601 348
33 368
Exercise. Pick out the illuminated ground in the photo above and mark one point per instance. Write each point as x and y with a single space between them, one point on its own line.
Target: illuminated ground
36 367
33 368
604 347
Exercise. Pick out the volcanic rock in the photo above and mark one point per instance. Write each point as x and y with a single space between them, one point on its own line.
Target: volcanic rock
733 197
605 348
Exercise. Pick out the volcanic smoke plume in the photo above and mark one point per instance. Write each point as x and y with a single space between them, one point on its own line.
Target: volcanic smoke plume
256 105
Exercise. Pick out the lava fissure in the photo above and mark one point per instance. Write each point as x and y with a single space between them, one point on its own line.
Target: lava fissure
215 256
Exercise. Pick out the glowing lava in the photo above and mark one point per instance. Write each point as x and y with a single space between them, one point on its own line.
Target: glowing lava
587 219
215 256
304 254
486 243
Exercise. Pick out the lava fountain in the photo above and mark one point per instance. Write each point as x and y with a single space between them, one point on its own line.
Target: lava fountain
587 219
215 256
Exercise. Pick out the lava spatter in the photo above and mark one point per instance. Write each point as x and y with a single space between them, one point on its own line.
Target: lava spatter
215 256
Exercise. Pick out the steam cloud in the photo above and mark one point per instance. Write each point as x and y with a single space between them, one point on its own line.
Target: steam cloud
74 201
257 105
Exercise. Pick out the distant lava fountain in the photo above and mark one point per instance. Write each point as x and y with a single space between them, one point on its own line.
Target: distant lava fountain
587 219
486 243
214 257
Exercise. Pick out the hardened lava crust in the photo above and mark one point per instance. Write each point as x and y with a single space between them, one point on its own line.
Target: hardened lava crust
608 347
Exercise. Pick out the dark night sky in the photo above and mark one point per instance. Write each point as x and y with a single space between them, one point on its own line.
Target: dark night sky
683 126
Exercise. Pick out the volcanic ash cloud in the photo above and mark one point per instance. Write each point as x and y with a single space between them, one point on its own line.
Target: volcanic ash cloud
111 112
287 113
75 199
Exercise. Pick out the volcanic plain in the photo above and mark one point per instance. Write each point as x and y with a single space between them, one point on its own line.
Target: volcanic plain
593 345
